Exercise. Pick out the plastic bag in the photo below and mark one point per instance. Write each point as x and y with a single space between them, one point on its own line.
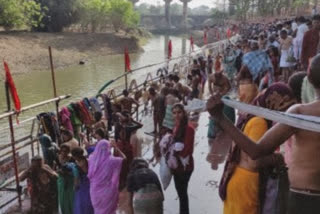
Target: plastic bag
165 173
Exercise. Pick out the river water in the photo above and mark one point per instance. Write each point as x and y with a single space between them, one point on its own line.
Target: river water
85 80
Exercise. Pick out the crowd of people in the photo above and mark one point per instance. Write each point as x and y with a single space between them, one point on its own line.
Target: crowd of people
273 65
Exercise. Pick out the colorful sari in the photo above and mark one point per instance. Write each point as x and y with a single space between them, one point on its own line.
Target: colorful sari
66 188
82 201
104 172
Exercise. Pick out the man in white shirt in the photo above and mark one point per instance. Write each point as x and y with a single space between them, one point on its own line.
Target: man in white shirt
297 42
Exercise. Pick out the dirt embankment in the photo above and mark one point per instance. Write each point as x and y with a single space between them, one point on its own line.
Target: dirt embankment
27 51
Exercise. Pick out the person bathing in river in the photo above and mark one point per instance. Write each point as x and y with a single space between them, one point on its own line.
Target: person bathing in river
304 170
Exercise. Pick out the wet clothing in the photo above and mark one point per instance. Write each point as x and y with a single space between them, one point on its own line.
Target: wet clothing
147 192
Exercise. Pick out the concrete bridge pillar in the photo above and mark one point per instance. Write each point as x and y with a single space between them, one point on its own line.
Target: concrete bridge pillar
185 13
167 12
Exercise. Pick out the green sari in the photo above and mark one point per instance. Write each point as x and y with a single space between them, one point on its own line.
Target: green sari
66 192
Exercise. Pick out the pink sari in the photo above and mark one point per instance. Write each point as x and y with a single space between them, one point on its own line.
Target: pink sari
104 173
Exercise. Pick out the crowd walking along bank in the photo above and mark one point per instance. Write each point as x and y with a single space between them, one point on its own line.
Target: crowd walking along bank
262 86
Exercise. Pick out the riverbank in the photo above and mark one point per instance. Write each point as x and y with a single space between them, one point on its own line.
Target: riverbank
28 51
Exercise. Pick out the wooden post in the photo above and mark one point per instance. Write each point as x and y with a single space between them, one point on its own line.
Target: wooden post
54 88
15 162
126 77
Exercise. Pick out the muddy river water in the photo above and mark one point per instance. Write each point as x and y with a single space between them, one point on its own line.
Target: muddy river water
85 80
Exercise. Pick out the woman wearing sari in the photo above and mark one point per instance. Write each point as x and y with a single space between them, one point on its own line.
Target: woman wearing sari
82 201
242 187
104 173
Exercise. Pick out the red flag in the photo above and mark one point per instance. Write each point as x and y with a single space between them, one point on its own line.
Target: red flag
192 43
127 60
205 38
170 49
12 87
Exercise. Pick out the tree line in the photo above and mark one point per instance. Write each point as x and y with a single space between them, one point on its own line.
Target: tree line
243 8
175 9
54 15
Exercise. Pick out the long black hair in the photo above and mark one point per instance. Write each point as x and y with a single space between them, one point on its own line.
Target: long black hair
180 133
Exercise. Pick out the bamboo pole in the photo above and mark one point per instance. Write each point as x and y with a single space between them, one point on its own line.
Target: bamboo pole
15 163
11 113
54 88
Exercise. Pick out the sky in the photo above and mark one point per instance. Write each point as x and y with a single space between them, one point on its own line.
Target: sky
192 4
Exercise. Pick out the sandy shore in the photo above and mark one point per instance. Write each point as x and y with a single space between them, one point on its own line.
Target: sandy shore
28 51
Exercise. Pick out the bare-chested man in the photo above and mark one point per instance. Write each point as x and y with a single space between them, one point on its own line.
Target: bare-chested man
126 102
304 170
219 83
183 90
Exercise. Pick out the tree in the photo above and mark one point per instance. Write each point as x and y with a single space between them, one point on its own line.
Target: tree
143 9
19 13
93 13
242 8
57 14
122 15
218 16
201 10
176 9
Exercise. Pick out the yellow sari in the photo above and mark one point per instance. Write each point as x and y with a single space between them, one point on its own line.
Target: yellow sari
243 187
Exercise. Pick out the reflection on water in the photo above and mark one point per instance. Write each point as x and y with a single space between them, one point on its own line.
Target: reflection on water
85 80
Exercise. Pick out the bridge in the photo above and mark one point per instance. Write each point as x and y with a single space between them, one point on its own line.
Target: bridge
167 21
160 21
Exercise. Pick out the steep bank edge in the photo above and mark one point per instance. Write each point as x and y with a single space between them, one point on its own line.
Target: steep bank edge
28 51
